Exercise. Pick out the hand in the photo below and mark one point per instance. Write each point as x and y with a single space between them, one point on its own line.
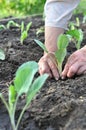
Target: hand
47 64
76 64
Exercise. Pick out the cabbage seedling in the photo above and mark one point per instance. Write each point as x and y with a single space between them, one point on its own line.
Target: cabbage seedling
60 53
23 84
24 31
76 36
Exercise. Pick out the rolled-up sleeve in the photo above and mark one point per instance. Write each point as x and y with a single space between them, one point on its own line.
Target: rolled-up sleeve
59 12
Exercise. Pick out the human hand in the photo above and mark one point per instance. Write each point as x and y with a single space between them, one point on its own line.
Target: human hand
47 64
76 64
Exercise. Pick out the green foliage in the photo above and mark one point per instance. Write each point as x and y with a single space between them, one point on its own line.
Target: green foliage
76 36
41 45
2 55
24 83
2 27
21 7
60 54
40 30
24 31
12 23
9 24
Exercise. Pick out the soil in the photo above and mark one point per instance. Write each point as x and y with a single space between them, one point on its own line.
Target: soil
60 105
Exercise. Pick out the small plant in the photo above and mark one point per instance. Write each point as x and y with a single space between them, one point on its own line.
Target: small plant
2 55
23 84
84 19
60 54
2 27
9 24
24 31
76 35
40 30
12 23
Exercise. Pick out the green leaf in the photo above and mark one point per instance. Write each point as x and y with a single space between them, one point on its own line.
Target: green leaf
12 23
24 76
2 55
41 45
74 33
62 41
77 34
12 95
23 36
60 55
2 27
37 84
22 26
28 26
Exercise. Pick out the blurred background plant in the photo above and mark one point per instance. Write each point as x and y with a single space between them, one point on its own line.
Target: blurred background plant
20 8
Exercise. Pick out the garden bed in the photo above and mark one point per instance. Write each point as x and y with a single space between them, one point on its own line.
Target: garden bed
60 105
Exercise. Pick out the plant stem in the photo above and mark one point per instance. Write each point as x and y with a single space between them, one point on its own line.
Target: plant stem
11 113
60 68
5 103
19 119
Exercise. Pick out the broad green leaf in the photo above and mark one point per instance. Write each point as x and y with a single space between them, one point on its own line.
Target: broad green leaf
12 95
37 84
2 55
41 45
60 55
28 26
62 41
77 34
74 33
24 76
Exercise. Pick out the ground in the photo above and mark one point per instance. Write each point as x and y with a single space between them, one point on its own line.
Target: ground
60 105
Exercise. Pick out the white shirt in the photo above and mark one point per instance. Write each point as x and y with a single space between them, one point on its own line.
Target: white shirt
59 12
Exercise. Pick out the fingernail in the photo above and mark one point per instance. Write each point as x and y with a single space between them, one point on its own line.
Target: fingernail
62 77
56 78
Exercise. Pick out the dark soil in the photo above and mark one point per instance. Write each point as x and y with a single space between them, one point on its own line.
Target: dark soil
60 105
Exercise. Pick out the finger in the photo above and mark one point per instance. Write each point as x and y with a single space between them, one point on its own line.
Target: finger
71 60
44 68
65 71
54 69
73 69
82 70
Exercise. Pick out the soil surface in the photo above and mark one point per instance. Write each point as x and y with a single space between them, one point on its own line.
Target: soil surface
60 105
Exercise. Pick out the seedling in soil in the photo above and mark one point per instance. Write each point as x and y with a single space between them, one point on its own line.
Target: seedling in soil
84 19
24 31
2 27
40 30
9 24
60 53
2 55
76 35
73 25
12 23
23 84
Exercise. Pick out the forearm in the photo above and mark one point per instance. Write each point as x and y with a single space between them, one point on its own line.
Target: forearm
51 36
57 15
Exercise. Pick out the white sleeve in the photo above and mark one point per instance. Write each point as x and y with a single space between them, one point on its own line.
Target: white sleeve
58 12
